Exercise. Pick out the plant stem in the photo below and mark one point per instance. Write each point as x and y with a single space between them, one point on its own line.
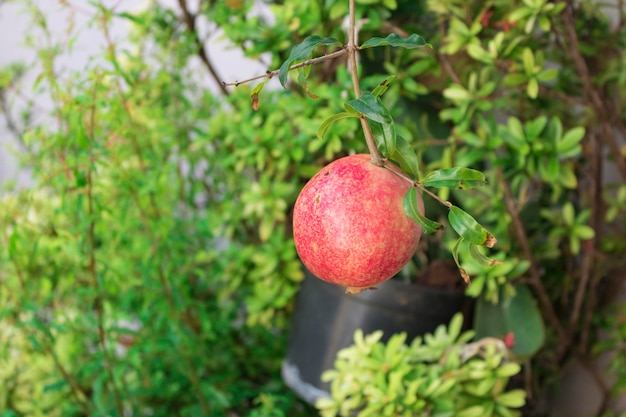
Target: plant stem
535 275
92 267
399 172
190 22
375 157
270 74
607 118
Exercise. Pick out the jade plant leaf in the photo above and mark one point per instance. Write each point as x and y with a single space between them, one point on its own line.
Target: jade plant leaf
303 51
517 319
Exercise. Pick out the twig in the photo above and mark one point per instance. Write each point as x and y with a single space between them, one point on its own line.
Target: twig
549 92
535 275
270 74
91 236
375 157
77 392
190 22
585 273
603 112
393 168
589 266
445 62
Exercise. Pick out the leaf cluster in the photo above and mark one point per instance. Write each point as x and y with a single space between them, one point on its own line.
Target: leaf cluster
439 374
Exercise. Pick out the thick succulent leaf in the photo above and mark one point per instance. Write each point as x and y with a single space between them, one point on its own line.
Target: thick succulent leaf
303 51
518 316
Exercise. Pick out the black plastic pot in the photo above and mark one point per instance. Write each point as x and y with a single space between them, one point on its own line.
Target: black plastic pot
326 318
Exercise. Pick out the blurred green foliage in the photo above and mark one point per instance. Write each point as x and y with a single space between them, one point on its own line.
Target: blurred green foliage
151 270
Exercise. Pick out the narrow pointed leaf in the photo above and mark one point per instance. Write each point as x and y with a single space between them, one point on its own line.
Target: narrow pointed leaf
303 51
455 255
321 132
458 178
482 259
468 228
406 157
371 107
385 135
412 42
383 87
254 95
412 210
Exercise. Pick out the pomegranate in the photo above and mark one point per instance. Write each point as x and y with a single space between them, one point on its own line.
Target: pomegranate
349 224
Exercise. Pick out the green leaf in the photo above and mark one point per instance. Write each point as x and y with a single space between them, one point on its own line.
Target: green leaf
413 211
412 42
385 135
473 411
569 145
584 232
468 228
518 315
303 51
547 75
482 259
568 213
321 132
457 178
528 60
515 398
476 51
532 89
383 86
254 95
371 107
406 157
457 92
455 256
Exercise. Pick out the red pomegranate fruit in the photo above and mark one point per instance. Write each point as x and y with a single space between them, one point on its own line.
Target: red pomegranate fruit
350 228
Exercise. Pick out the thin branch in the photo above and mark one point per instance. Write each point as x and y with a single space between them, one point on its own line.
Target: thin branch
603 112
590 261
375 157
399 172
270 74
571 100
445 62
535 275
190 22
98 302
77 392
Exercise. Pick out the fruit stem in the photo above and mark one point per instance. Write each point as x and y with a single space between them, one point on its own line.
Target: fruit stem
391 167
375 156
